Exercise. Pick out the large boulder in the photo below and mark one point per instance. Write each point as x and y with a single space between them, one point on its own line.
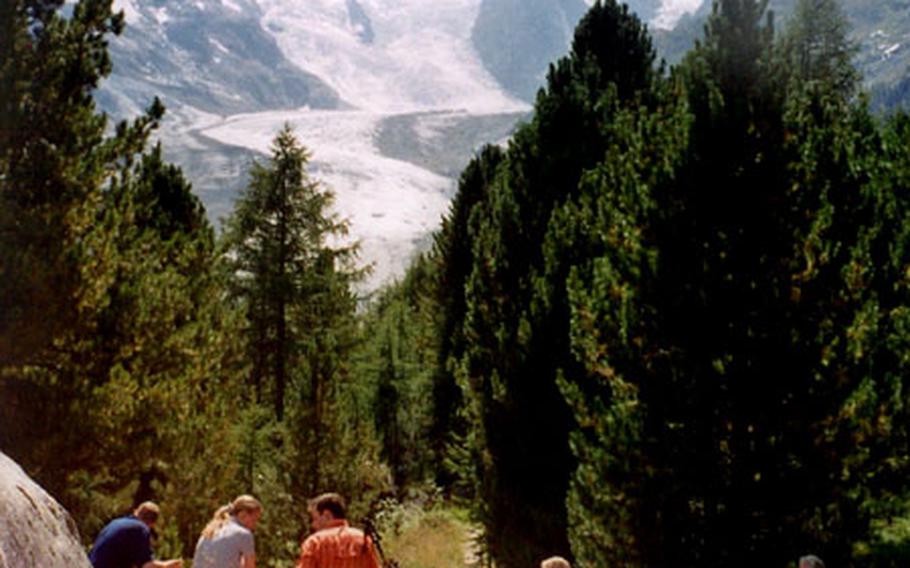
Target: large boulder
35 531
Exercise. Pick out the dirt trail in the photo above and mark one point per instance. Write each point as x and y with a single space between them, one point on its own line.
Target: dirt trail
472 551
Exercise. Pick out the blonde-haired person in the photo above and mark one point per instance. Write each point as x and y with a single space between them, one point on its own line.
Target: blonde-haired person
555 562
227 541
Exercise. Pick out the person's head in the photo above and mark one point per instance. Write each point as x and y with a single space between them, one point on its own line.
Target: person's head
326 508
247 510
811 561
147 512
555 562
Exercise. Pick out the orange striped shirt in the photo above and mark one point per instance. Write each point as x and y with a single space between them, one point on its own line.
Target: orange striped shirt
338 546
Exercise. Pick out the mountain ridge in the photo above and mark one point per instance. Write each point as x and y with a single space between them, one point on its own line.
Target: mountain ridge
211 55
392 102
880 30
416 87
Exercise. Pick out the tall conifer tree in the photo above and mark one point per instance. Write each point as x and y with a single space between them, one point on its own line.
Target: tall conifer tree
453 253
296 286
740 384
101 312
516 330
276 240
54 162
816 46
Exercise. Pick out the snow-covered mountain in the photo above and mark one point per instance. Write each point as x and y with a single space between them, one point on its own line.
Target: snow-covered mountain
389 55
518 39
388 95
391 97
879 29
211 55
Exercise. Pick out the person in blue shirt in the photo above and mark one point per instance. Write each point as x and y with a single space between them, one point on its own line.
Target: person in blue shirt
127 542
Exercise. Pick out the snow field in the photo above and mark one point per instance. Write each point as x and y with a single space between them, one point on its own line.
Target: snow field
391 204
421 57
672 10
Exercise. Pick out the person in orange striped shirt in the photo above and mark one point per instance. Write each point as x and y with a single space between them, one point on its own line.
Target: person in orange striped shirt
334 543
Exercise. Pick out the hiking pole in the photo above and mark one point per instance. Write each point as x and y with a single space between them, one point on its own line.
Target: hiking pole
369 529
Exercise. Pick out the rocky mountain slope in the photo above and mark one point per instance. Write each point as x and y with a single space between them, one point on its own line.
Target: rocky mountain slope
391 96
214 56
880 30
518 39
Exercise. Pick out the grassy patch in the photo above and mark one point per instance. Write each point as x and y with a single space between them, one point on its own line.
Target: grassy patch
439 537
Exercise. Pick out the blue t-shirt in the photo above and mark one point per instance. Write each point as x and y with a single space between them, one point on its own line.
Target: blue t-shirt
124 543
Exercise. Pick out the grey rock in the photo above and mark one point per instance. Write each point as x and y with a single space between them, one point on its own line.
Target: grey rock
464 136
35 531
518 39
361 22
207 55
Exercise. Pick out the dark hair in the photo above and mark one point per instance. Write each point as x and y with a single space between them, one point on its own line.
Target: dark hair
331 502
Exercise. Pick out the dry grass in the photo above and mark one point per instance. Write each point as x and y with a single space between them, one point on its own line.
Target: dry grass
440 538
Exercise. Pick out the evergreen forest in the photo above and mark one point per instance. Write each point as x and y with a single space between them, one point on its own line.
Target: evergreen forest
668 324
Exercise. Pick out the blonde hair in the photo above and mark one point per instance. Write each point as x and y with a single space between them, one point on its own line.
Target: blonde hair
225 512
555 562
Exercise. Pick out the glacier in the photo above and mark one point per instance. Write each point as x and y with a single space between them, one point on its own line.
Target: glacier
396 58
389 96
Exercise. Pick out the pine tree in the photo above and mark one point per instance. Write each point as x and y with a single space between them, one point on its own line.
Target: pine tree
452 252
817 48
295 285
607 232
172 349
740 395
54 161
397 359
100 314
276 241
515 329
